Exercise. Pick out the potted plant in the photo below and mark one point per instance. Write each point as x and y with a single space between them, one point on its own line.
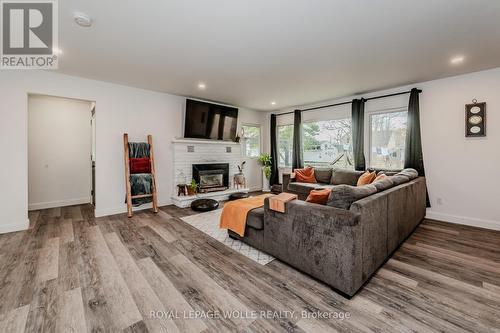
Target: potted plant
265 161
193 187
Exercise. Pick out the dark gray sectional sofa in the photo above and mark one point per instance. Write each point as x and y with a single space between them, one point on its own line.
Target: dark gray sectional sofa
344 242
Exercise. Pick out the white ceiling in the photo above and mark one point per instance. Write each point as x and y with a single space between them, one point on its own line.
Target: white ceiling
252 52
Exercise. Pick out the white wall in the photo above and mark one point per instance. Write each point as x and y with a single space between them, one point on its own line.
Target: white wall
252 169
460 171
59 149
119 109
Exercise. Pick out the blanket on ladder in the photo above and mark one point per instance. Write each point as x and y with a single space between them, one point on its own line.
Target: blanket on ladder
140 183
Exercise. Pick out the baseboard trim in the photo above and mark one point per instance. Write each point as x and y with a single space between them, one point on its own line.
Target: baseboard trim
59 203
123 209
12 227
473 222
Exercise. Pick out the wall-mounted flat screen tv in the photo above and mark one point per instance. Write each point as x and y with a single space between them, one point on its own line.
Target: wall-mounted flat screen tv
210 121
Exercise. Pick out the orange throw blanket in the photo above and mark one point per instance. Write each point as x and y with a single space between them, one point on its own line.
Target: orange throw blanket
234 213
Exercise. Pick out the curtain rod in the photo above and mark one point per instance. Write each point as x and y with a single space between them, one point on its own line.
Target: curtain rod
349 102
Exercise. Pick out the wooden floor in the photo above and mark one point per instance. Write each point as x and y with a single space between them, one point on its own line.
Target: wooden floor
73 273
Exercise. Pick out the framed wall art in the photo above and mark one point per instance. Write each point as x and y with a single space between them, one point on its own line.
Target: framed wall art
475 119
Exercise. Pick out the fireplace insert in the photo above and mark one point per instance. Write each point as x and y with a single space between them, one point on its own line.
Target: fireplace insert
211 177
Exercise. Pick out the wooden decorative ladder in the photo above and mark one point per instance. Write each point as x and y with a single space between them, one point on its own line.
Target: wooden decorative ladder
127 177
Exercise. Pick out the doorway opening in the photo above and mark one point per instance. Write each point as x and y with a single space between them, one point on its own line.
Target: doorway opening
61 152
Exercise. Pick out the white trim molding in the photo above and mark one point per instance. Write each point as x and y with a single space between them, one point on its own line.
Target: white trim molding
470 221
60 203
17 226
123 209
255 188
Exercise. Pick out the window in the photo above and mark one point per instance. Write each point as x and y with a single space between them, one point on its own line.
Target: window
285 145
328 143
387 140
251 140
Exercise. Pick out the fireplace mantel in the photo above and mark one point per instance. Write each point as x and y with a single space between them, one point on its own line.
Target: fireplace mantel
202 141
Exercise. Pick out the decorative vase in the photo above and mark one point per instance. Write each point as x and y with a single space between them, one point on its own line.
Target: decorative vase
265 183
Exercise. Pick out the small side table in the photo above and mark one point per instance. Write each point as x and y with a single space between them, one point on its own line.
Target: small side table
277 189
182 189
239 181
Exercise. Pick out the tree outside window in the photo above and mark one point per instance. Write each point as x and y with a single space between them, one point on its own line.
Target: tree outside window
285 145
387 140
328 143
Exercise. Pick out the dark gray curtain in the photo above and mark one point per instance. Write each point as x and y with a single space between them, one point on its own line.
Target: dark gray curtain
413 145
358 124
297 159
274 153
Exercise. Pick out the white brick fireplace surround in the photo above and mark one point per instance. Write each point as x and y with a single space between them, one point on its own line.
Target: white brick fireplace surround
193 151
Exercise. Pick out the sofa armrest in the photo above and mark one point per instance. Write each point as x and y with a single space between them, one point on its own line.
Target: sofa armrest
373 211
287 179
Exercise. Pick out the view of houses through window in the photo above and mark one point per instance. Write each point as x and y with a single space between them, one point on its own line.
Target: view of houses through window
387 140
250 136
328 143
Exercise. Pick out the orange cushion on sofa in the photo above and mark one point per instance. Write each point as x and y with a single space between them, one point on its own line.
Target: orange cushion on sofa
319 196
366 178
305 175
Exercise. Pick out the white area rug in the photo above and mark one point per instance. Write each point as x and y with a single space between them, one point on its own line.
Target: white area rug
209 224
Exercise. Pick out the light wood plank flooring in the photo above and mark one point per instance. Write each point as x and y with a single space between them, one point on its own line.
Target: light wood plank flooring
72 272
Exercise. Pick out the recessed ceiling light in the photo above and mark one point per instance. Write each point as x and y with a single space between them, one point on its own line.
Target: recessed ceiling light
273 103
82 20
56 51
202 86
457 60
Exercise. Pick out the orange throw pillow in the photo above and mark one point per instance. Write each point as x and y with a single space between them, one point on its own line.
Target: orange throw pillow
366 178
305 175
380 177
319 196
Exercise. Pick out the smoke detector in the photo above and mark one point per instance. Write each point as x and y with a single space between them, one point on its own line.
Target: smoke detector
82 20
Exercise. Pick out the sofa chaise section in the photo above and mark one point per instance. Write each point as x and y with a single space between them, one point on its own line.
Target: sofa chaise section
322 241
